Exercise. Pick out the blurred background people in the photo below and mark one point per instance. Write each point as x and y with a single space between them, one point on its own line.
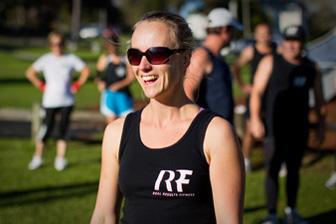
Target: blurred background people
208 80
282 82
252 54
58 90
113 78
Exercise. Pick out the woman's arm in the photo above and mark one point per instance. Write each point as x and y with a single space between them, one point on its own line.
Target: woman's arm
100 66
227 173
31 75
260 82
85 74
109 197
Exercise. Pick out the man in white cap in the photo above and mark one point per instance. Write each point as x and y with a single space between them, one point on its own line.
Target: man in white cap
208 80
282 84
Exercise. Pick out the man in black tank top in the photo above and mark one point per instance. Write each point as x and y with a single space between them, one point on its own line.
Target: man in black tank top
208 80
282 83
252 54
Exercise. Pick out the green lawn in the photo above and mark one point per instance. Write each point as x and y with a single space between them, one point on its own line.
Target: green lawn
45 195
49 196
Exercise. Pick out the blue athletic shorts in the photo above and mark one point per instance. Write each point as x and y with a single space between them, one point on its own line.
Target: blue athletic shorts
115 104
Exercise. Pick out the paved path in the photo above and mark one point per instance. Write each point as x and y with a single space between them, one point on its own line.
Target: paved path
25 115
16 122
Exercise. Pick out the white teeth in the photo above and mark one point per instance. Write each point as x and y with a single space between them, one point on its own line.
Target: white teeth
149 78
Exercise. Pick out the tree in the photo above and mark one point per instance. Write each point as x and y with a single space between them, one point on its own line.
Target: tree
321 18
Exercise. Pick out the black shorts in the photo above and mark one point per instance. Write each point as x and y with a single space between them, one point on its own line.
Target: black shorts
49 122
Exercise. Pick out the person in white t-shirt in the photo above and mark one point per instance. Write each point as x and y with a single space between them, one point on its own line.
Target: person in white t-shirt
58 95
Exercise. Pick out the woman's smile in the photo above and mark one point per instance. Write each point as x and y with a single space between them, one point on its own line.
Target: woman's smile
149 79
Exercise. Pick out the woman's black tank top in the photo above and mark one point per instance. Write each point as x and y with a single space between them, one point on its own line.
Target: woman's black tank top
168 185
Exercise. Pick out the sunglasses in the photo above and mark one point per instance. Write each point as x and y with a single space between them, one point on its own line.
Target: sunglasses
154 55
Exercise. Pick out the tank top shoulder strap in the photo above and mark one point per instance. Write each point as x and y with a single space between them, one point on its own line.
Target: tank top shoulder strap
130 124
202 121
109 59
199 127
207 49
123 59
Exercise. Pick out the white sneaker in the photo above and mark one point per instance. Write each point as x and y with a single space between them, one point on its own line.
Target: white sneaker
247 165
283 170
291 217
331 182
60 163
35 163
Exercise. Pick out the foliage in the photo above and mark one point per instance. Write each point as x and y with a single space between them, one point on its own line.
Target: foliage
38 17
322 17
134 9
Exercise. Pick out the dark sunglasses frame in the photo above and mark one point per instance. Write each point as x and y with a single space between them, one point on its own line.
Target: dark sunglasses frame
154 55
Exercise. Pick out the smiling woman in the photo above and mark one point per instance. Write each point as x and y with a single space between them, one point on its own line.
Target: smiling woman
172 161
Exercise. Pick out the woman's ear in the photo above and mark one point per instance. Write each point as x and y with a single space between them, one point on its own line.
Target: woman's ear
186 58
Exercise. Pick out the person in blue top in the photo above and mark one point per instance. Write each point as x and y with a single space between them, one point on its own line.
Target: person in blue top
208 81
113 78
171 161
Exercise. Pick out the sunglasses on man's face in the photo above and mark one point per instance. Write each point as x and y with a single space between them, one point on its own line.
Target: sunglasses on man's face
154 55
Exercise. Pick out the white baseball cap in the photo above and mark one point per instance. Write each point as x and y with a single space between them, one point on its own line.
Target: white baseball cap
220 17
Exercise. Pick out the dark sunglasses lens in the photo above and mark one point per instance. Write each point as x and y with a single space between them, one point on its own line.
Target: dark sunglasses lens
159 55
134 56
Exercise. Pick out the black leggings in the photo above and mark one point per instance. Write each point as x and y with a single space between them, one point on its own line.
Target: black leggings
49 121
290 152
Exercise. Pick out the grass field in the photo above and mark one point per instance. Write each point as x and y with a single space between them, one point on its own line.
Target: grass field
47 196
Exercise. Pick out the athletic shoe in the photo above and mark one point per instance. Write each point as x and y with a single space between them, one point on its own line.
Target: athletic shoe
331 182
247 165
283 170
291 217
270 219
60 163
35 163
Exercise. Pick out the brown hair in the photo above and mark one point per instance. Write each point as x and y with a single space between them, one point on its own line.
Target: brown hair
55 33
181 33
112 41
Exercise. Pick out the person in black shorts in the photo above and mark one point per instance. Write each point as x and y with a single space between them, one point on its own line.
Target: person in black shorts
172 161
282 83
58 89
